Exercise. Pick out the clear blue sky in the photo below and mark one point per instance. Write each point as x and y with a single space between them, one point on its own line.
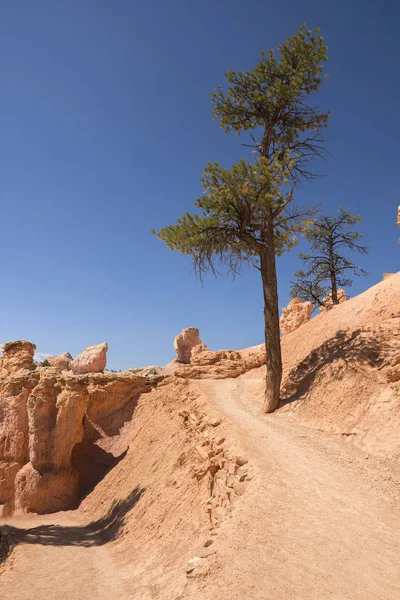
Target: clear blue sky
105 129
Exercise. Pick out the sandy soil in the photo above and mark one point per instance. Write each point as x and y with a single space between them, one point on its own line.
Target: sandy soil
59 558
310 526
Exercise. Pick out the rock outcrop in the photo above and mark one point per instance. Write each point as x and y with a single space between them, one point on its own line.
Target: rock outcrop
221 364
328 304
393 373
295 314
42 416
16 356
153 373
92 360
61 362
198 349
186 342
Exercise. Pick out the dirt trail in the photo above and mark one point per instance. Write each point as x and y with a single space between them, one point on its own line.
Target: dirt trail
310 526
59 558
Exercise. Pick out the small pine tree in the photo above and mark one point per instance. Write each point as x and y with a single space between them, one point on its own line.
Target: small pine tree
326 267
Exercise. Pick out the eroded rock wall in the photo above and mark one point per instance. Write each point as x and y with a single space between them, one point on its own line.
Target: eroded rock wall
42 413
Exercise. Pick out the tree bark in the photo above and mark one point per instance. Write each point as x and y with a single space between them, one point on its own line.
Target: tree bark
335 299
332 274
271 323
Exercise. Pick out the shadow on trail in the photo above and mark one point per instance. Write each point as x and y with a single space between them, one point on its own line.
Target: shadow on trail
96 533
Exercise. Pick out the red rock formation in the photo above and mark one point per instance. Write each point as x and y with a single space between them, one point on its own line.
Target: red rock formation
186 342
42 414
328 304
221 364
17 355
295 314
61 362
92 360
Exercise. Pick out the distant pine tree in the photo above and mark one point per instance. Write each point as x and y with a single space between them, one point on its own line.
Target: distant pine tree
326 267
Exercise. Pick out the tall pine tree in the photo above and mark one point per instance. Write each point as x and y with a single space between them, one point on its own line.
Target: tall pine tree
247 213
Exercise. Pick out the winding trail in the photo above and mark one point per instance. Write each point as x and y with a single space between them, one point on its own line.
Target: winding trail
310 527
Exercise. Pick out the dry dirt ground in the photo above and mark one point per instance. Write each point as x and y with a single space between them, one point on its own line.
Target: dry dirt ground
318 521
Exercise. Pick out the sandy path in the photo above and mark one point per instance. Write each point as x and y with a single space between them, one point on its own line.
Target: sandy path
54 562
310 527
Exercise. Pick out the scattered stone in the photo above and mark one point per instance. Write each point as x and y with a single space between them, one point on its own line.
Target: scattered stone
230 480
239 488
192 564
241 460
243 472
200 474
205 552
203 455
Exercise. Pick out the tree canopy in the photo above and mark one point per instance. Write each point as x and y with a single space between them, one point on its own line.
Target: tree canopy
234 208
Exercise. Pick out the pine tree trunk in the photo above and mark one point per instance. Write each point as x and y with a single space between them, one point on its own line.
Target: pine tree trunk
335 299
332 274
272 332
